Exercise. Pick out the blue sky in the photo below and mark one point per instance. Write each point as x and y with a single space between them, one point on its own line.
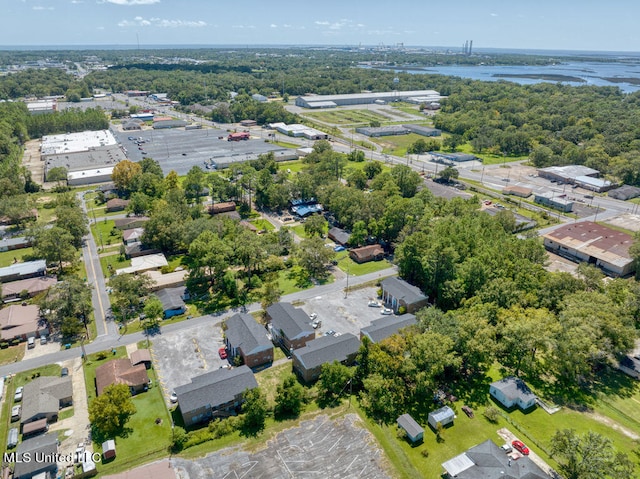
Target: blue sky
526 24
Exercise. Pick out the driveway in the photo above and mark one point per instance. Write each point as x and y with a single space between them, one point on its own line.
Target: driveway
508 437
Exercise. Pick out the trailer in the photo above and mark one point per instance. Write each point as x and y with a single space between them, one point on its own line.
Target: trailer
242 135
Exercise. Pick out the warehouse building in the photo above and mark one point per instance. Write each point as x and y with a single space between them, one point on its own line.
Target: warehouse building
296 130
594 184
567 174
452 158
42 106
89 177
625 192
552 201
331 101
594 244
376 131
423 130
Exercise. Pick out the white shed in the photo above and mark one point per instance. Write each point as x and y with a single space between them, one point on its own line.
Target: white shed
443 416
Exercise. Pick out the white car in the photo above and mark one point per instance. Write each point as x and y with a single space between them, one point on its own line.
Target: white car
18 395
374 304
173 398
386 311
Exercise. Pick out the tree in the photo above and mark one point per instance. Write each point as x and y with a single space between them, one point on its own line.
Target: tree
356 155
372 168
289 398
124 175
315 225
55 245
67 306
59 173
110 412
73 220
128 290
418 147
406 179
153 311
271 294
448 174
194 183
208 260
590 456
313 256
254 412
139 203
357 179
334 382
359 234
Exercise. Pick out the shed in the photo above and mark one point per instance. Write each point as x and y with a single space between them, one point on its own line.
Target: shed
414 431
109 449
443 416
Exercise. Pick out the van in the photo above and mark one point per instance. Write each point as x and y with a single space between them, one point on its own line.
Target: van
31 342
12 440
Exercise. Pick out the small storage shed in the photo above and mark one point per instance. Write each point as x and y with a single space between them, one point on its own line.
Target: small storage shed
414 431
443 416
109 450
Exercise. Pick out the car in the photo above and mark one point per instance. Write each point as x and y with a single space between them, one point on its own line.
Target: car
386 311
506 448
173 398
17 397
15 412
316 323
520 447
339 248
313 316
589 197
64 372
374 304
222 352
43 340
331 332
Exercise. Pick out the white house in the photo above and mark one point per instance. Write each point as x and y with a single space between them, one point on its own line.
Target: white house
511 392
443 416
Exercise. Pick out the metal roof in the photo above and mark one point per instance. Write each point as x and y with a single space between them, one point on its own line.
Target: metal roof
24 269
442 414
369 96
569 171
410 425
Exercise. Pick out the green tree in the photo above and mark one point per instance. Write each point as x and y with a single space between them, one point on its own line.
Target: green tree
73 220
449 173
313 256
110 412
58 173
254 412
406 179
271 294
359 234
357 179
207 261
194 183
315 225
128 292
334 383
356 155
289 398
55 245
153 312
67 306
139 203
590 456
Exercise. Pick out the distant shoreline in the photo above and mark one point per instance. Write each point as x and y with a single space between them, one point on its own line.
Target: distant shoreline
541 76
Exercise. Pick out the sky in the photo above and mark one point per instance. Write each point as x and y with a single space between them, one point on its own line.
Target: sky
586 25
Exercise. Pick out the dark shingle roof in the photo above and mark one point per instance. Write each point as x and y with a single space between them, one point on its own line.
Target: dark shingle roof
293 322
384 327
244 333
215 388
327 349
45 446
409 424
400 289
339 235
171 298
43 395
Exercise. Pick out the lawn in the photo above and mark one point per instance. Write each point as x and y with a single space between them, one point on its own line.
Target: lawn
262 224
488 159
105 233
150 432
346 264
12 354
346 117
114 261
7 258
287 282
397 145
268 379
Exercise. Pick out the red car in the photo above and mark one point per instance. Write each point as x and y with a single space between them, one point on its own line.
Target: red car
223 353
519 446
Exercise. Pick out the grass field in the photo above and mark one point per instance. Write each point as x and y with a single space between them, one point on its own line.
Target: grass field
269 379
346 264
102 233
262 224
7 258
115 263
347 117
12 354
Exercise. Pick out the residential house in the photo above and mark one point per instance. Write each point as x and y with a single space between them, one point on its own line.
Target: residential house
216 393
488 461
384 327
17 242
308 361
141 356
339 235
443 417
415 432
289 326
365 254
130 222
45 449
132 235
117 204
511 392
144 263
31 287
397 293
135 250
223 207
172 301
245 338
44 396
121 371
28 269
21 321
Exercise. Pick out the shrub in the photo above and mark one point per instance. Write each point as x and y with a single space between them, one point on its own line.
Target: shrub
101 355
402 310
425 453
491 414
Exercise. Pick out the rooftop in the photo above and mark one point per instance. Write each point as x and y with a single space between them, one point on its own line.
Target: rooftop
24 269
74 142
514 388
400 289
327 349
120 371
245 333
19 320
171 298
45 446
410 425
293 322
32 285
570 171
382 328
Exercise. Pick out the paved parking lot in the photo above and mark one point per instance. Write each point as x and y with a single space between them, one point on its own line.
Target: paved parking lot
344 315
317 448
181 355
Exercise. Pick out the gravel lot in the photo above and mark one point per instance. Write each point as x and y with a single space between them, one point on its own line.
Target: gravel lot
320 447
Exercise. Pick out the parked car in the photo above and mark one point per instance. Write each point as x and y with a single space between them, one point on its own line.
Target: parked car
339 248
506 448
386 311
43 340
17 397
173 398
316 323
222 352
374 304
331 332
520 447
15 412
64 372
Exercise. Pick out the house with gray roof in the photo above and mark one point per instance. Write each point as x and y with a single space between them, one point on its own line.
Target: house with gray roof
339 235
443 416
44 448
511 392
289 326
172 302
397 293
244 337
415 432
308 361
44 397
488 461
384 327
28 269
216 393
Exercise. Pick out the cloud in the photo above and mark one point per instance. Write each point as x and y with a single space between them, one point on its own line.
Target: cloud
161 23
242 27
494 14
131 2
273 25
75 2
338 25
38 8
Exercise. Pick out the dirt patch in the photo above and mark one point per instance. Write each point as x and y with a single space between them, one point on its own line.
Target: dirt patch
613 425
44 199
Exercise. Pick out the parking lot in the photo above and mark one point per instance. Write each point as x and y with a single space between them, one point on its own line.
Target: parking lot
317 448
181 355
344 315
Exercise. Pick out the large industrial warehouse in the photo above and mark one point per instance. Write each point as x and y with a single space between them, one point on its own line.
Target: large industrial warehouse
331 101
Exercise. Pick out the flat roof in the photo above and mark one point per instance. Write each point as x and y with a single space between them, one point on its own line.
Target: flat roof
569 171
94 173
365 96
75 142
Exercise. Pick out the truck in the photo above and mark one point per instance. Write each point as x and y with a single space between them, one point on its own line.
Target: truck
242 135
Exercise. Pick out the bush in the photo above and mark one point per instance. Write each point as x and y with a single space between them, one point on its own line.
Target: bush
101 355
425 453
223 427
491 414
402 310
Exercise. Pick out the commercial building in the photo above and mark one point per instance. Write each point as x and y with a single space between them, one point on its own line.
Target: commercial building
567 174
521 191
594 184
296 130
42 106
452 158
377 131
594 244
331 101
625 192
89 177
552 200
